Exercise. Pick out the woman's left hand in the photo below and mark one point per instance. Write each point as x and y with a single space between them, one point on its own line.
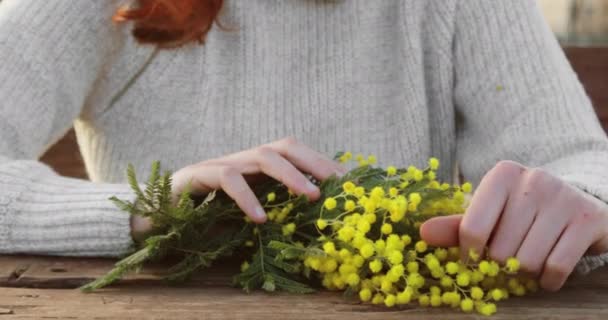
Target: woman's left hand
529 214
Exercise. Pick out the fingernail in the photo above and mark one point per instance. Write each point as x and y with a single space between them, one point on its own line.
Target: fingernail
259 212
310 187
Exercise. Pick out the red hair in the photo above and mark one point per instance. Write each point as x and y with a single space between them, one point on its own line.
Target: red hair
171 23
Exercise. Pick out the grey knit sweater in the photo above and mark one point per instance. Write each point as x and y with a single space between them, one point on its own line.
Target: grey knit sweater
468 81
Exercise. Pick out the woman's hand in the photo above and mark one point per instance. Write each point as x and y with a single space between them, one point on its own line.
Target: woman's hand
529 214
284 160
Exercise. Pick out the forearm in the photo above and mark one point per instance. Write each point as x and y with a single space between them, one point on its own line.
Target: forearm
43 213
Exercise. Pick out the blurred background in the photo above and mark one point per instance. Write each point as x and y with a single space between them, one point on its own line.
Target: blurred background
578 22
580 25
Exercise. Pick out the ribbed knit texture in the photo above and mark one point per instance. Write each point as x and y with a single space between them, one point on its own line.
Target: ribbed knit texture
471 82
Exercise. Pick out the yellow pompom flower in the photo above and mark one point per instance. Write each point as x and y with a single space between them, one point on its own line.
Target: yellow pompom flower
412 267
349 205
370 206
329 265
395 258
433 163
386 285
363 226
494 269
346 233
370 217
466 305
467 187
395 273
330 203
487 309
415 198
463 279
288 229
424 300
421 246
496 294
418 175
271 197
477 293
446 282
435 300
321 224
348 187
473 255
358 261
441 254
406 240
329 247
359 192
391 171
353 279
375 266
404 297
371 159
386 228
451 267
365 295
393 192
512 265
347 156
484 267
367 250
377 193
390 300
415 280
378 298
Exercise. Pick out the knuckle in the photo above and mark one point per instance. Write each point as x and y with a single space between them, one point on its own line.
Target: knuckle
264 152
508 167
289 141
538 178
227 173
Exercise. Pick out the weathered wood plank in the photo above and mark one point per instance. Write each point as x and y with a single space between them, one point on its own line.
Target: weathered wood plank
153 302
61 273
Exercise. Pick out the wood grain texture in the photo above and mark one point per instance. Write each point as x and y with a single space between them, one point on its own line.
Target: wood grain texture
209 296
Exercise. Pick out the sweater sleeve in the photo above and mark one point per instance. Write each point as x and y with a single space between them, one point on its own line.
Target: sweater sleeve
517 98
51 53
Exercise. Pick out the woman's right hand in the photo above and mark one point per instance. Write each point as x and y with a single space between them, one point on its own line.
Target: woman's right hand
284 160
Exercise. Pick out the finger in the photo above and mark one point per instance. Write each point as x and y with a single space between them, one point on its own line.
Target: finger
541 239
487 205
307 159
230 180
274 165
513 225
441 231
563 259
235 186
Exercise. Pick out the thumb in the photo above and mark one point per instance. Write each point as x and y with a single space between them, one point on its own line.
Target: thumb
441 231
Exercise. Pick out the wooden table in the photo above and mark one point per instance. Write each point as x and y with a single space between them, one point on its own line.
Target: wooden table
43 288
